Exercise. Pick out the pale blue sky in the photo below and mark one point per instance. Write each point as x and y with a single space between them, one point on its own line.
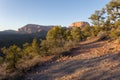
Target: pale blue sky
17 13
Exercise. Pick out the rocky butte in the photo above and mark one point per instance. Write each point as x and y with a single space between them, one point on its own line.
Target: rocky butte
79 24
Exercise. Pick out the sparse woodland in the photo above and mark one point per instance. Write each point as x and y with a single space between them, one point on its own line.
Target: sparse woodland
20 59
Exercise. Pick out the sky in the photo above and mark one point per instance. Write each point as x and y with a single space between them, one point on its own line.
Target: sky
17 13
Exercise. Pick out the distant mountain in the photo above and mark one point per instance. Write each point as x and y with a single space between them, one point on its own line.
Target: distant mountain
28 29
33 28
24 34
8 32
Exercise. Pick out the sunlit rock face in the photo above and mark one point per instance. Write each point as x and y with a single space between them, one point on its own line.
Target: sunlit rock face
79 24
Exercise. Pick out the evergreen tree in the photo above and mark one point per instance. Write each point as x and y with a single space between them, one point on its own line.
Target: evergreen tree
57 36
97 18
77 34
113 8
13 55
35 46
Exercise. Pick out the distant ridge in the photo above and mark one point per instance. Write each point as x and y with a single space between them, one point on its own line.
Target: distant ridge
8 32
28 29
33 28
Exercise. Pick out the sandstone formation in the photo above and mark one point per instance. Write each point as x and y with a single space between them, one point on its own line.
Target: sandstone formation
79 24
33 28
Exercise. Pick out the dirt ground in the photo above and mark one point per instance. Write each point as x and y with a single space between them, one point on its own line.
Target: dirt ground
89 61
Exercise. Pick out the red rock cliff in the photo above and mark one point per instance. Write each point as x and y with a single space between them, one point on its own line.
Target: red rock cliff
79 24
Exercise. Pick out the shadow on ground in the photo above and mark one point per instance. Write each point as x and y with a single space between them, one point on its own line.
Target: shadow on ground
94 72
105 67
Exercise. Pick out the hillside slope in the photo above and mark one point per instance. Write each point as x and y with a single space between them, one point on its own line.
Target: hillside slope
89 61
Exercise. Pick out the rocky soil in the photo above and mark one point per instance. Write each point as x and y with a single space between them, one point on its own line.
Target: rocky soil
89 61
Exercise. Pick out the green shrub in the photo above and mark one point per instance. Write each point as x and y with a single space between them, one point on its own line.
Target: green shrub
94 31
77 34
102 35
114 33
13 55
86 31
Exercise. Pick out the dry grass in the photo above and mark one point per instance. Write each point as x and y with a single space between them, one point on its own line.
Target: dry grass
23 66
